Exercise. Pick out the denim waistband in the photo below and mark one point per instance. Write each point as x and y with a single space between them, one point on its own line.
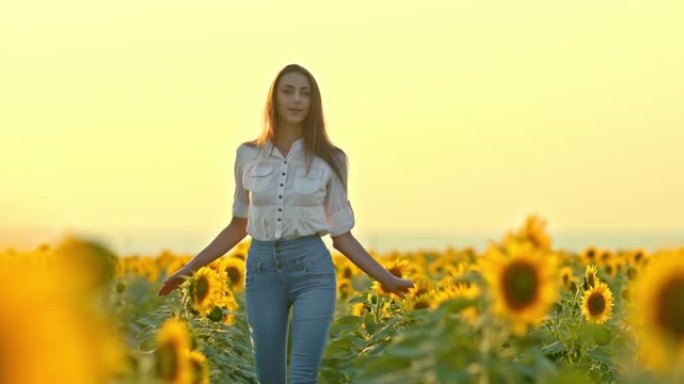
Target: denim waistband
286 242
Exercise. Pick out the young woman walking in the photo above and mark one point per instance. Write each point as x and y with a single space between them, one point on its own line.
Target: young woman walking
291 189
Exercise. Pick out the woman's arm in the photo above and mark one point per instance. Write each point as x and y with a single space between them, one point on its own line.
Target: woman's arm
352 249
224 242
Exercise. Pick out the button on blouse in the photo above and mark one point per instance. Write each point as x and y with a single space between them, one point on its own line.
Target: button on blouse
281 200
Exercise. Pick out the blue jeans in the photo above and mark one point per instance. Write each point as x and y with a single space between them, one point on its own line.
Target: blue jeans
280 274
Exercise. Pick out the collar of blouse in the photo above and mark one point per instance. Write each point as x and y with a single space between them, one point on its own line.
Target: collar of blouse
273 149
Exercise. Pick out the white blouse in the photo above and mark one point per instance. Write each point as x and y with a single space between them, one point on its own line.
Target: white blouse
281 201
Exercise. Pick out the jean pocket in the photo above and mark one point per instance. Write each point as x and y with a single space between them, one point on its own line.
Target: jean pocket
251 272
319 264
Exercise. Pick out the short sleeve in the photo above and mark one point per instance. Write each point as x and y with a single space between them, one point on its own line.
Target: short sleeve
338 211
241 195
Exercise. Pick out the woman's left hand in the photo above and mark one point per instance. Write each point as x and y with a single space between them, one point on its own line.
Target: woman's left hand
398 286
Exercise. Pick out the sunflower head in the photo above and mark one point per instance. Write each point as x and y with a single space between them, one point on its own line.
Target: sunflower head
589 255
88 263
637 256
399 267
597 304
205 290
658 310
611 268
173 343
234 270
566 277
422 285
605 257
590 277
344 288
418 302
532 232
234 275
360 309
198 367
523 282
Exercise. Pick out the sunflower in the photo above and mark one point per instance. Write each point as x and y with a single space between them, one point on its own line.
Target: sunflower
611 268
450 288
466 289
172 266
444 270
198 367
229 319
658 310
234 268
205 290
590 277
422 301
345 268
344 288
532 232
460 289
620 265
421 285
637 256
589 255
90 265
360 309
228 302
632 272
238 254
398 267
470 313
439 267
523 283
605 257
566 277
241 249
457 269
43 337
376 287
597 304
173 343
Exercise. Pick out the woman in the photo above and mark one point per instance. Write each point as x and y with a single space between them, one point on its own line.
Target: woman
291 189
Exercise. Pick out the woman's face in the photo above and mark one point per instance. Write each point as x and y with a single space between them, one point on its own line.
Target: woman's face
293 98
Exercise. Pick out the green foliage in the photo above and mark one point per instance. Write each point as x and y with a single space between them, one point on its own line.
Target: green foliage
391 344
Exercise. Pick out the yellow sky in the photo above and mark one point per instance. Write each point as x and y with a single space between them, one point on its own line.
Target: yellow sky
456 116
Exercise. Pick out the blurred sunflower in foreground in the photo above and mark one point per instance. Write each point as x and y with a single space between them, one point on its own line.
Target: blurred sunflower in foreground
175 362
523 283
51 324
657 311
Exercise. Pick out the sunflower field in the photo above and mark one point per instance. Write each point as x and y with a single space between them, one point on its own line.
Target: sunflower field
520 311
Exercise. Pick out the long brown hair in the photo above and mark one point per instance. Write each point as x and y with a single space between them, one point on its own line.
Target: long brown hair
316 141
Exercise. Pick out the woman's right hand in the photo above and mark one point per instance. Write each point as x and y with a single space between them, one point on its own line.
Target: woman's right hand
398 286
172 282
